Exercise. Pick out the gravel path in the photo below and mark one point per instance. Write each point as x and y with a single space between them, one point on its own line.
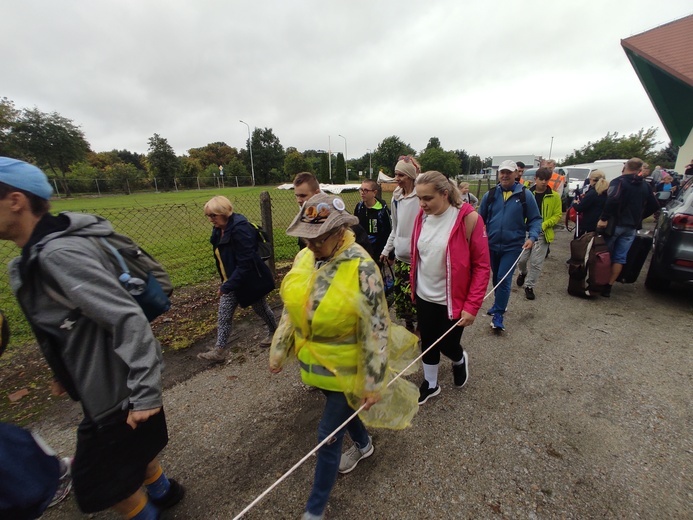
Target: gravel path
582 409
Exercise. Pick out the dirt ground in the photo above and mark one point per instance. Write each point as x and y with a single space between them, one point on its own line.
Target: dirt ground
581 409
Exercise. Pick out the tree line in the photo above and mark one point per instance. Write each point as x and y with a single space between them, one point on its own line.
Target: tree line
58 145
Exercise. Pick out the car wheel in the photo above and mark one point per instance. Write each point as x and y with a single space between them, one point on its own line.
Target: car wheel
653 281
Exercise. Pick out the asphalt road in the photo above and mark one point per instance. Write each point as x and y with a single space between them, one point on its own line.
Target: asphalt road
581 409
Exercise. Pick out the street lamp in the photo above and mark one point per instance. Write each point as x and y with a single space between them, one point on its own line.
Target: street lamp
250 149
370 164
346 161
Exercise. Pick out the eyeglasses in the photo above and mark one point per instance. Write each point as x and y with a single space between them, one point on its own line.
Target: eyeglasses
211 215
404 158
365 190
318 242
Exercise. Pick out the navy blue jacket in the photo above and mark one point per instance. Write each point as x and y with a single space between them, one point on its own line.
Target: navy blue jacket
240 267
505 220
629 201
590 207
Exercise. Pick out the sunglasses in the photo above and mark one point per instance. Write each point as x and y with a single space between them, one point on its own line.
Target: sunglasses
316 214
404 158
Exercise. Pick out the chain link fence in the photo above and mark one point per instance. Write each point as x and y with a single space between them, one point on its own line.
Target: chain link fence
127 185
177 235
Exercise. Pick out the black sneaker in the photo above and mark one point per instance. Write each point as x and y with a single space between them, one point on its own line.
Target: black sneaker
529 293
175 494
460 373
521 279
426 393
606 293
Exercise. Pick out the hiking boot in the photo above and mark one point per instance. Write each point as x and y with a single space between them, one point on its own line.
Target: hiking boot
460 373
529 293
521 279
216 355
425 393
497 322
175 494
65 482
267 341
352 456
606 292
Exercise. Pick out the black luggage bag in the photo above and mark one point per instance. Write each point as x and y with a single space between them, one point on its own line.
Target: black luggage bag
589 266
637 254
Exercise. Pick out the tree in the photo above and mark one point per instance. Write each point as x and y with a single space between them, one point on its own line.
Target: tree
268 155
338 174
388 152
613 146
294 163
324 172
218 153
438 159
666 157
475 164
123 176
8 117
433 142
50 140
465 162
162 163
235 168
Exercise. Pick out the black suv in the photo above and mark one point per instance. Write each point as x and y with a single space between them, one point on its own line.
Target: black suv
672 257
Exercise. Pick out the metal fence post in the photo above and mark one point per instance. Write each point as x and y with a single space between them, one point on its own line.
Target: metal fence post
97 186
56 188
198 182
266 213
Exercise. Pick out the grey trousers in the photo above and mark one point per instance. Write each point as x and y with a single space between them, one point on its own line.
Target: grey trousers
534 258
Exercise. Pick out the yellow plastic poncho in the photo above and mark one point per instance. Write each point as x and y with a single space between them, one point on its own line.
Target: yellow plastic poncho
336 322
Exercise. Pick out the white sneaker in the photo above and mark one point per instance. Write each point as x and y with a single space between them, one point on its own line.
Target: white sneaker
352 456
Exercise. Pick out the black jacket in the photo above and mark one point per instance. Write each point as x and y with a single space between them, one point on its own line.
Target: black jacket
377 224
629 200
590 207
240 267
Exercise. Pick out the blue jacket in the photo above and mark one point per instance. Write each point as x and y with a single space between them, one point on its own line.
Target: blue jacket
505 220
240 267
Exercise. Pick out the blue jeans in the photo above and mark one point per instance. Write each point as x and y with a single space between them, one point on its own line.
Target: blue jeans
500 264
337 410
619 244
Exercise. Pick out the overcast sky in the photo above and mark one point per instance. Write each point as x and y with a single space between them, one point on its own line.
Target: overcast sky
493 77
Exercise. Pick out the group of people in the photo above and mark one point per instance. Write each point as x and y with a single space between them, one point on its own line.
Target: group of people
335 320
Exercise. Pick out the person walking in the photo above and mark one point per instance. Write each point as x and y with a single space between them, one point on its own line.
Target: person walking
97 342
532 260
591 205
405 207
629 201
245 278
513 223
336 323
450 270
374 217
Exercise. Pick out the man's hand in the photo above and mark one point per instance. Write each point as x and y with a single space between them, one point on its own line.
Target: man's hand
602 223
465 320
137 416
529 243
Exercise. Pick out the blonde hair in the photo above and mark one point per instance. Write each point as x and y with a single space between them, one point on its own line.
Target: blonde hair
219 205
441 184
462 185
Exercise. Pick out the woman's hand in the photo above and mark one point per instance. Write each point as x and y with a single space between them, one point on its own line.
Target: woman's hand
370 400
386 258
466 319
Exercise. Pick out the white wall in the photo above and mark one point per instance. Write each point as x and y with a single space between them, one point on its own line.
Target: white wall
685 154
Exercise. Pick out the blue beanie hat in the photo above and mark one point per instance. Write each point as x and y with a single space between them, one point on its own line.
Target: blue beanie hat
25 176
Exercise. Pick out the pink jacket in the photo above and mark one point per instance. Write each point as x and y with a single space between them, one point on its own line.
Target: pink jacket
467 276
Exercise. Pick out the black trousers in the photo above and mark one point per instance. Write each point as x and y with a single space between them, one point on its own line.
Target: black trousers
433 323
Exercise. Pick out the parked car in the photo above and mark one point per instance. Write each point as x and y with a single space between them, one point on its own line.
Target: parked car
672 255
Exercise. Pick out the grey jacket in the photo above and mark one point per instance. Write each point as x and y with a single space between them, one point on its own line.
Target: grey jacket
103 352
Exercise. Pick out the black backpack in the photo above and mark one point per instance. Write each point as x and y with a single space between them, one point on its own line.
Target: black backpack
264 245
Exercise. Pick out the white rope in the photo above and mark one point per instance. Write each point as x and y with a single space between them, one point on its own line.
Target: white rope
334 432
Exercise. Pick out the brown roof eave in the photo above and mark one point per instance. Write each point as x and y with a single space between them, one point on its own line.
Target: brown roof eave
626 45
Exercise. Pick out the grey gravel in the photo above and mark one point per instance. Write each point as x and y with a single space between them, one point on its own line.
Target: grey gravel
581 409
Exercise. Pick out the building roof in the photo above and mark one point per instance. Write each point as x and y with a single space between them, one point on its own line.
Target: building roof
663 60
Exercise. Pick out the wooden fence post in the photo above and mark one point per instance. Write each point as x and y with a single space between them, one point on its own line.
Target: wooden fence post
266 214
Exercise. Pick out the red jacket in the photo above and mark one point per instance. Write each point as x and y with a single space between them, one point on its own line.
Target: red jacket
467 276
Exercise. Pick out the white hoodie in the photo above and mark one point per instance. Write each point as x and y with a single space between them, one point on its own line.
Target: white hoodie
404 212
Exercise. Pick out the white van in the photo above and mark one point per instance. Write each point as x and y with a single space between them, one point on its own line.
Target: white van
577 173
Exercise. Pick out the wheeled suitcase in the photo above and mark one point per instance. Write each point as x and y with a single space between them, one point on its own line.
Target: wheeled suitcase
589 267
637 254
